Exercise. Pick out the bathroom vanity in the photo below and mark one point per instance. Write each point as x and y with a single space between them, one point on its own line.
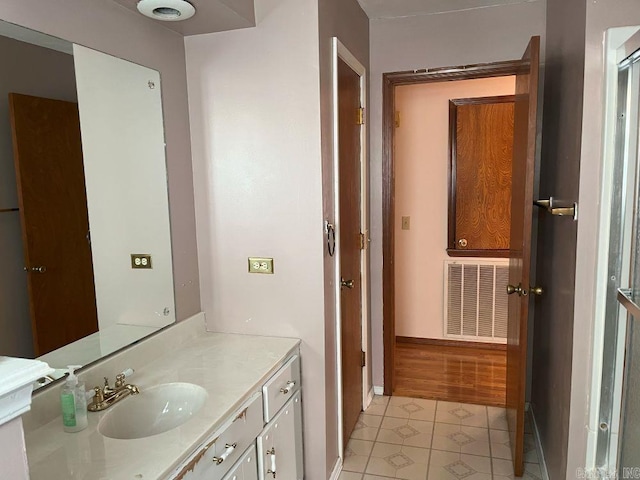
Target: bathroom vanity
248 427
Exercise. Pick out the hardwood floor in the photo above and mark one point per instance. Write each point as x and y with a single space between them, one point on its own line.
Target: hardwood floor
451 373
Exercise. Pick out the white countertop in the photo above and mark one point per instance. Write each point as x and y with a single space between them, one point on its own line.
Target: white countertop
230 367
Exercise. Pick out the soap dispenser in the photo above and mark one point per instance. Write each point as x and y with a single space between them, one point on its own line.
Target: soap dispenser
74 403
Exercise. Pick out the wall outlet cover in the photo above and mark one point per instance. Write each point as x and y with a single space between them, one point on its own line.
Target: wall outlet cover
260 265
141 261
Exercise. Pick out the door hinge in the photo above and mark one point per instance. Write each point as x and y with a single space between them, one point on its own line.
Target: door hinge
363 241
360 116
397 119
363 359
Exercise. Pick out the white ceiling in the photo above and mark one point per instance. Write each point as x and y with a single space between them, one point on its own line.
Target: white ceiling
408 8
211 16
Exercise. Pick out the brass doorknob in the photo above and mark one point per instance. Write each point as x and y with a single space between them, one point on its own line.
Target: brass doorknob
518 289
537 291
463 242
346 283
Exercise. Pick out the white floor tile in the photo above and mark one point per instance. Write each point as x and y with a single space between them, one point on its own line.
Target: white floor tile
356 455
497 418
500 444
412 408
457 466
403 431
344 475
378 405
367 427
397 461
462 414
461 439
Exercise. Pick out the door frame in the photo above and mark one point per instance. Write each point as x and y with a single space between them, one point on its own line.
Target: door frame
340 52
390 81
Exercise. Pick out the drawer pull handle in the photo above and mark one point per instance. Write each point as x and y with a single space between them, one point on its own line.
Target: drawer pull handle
272 470
290 385
229 450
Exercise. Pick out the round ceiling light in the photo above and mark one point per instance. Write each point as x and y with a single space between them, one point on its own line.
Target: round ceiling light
167 10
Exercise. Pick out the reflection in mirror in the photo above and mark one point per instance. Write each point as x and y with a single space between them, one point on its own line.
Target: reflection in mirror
85 252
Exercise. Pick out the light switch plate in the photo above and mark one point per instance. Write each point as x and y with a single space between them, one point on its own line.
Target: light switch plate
141 260
406 223
260 265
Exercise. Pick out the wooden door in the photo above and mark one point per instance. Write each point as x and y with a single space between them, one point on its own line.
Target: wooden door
524 151
55 226
350 253
480 154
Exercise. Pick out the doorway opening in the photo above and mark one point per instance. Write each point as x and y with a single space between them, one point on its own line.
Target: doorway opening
453 152
519 285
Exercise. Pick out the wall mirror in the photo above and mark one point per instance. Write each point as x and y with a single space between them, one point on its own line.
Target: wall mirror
85 249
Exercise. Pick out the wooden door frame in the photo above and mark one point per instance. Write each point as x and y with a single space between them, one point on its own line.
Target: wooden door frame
390 81
340 52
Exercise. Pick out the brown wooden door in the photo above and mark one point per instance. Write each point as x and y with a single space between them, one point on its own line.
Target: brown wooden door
524 150
481 152
55 226
349 154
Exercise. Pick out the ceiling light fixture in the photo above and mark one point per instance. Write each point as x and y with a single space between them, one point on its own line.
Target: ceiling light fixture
167 10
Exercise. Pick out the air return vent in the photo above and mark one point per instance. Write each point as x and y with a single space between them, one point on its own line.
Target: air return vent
475 300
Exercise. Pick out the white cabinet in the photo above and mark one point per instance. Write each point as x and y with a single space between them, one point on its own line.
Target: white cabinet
246 468
280 444
231 454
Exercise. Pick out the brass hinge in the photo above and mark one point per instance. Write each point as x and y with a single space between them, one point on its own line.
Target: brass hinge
363 359
363 241
397 119
360 116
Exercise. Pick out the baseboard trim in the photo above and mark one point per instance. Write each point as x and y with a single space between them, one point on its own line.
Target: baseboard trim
377 390
337 470
536 436
369 398
441 342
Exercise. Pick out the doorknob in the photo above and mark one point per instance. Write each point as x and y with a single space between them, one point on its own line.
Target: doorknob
41 269
537 291
519 290
463 242
346 283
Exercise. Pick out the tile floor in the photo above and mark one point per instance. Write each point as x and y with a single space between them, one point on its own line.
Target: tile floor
411 438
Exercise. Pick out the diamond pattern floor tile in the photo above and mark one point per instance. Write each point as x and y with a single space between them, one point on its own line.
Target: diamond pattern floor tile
416 439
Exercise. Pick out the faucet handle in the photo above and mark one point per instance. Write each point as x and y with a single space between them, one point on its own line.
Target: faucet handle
119 380
106 381
98 396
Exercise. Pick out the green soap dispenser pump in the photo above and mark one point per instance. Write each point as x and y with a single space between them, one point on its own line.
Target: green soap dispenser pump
74 403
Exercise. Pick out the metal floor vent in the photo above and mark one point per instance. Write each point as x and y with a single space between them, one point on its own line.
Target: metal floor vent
475 300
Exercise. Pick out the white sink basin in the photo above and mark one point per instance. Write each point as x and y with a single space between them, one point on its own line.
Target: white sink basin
154 410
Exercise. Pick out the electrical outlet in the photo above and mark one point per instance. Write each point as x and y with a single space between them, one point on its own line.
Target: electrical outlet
406 223
140 260
260 265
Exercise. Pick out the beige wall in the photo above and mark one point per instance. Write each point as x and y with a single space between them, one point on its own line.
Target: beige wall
13 451
458 38
254 99
110 28
421 192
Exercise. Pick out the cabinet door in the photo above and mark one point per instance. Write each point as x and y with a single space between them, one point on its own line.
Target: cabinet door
246 468
280 444
481 153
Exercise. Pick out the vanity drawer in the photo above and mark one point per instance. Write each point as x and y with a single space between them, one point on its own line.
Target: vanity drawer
246 468
218 457
281 387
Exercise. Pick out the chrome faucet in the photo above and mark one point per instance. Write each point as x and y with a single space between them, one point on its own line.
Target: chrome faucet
106 396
